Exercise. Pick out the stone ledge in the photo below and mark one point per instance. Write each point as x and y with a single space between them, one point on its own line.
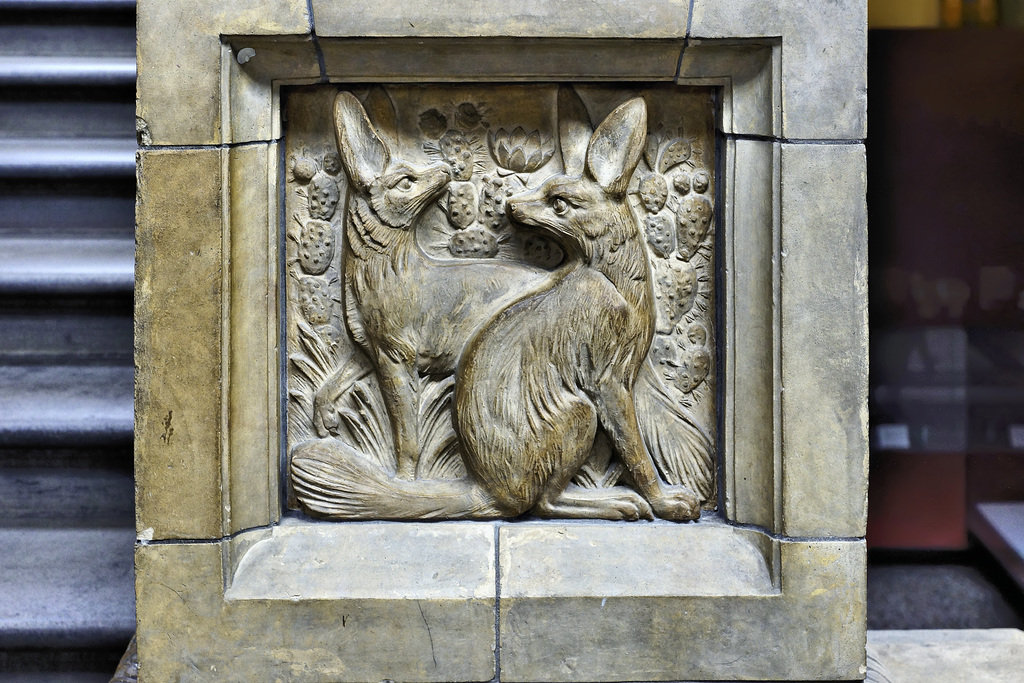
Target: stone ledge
946 656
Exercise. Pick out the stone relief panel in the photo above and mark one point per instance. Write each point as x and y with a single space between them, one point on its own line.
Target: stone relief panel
499 301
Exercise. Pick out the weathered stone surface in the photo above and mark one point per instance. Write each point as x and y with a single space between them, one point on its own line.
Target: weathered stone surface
252 336
441 561
824 65
771 637
529 19
308 601
949 656
433 59
751 367
178 345
748 74
587 560
179 61
824 340
188 631
255 64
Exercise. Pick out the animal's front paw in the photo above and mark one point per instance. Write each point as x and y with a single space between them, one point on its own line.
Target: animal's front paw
632 508
677 503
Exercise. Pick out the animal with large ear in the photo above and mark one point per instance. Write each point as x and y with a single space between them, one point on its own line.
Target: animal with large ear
538 380
411 315
681 449
550 366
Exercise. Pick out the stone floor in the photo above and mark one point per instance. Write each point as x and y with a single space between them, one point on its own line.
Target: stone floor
967 590
946 656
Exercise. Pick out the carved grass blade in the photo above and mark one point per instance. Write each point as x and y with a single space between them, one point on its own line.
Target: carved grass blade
682 451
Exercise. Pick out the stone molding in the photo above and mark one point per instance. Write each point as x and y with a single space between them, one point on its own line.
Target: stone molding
220 591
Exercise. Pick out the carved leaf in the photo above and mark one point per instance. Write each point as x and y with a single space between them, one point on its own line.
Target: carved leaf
677 152
316 246
653 192
682 451
651 150
439 457
693 220
366 419
462 204
660 233
674 292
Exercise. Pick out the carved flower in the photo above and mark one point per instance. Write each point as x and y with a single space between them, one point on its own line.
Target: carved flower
468 116
520 152
332 163
433 123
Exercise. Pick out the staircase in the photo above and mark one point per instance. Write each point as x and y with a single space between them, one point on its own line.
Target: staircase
67 192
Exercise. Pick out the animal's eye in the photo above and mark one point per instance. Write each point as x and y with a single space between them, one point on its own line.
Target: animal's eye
559 205
405 183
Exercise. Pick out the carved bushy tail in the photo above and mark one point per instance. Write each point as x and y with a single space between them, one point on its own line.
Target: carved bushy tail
333 481
683 452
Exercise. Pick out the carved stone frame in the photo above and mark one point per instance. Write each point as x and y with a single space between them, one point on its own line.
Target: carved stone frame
773 590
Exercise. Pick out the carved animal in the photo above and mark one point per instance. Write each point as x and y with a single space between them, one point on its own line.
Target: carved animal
536 383
413 315
547 371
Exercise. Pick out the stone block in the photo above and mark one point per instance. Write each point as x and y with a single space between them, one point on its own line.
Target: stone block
179 79
178 299
252 337
511 59
948 656
493 18
824 340
748 74
330 623
824 58
566 560
694 637
751 435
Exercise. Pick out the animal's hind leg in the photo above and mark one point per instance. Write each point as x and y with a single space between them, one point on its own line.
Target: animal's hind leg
556 500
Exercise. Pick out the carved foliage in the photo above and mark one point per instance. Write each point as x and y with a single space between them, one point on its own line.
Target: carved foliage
393 272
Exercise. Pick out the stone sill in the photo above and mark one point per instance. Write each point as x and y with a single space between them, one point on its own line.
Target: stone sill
302 560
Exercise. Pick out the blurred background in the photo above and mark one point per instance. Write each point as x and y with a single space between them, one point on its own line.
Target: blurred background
946 210
946 241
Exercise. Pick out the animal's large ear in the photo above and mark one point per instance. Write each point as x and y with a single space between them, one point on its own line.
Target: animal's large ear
616 146
363 153
574 130
381 111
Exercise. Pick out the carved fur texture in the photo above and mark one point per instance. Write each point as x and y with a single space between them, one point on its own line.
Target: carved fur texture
411 315
534 385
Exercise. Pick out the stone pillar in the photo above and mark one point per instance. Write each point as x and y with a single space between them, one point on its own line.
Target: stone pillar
489 342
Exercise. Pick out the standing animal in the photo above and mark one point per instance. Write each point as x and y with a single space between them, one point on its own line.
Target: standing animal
411 314
548 369
535 384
